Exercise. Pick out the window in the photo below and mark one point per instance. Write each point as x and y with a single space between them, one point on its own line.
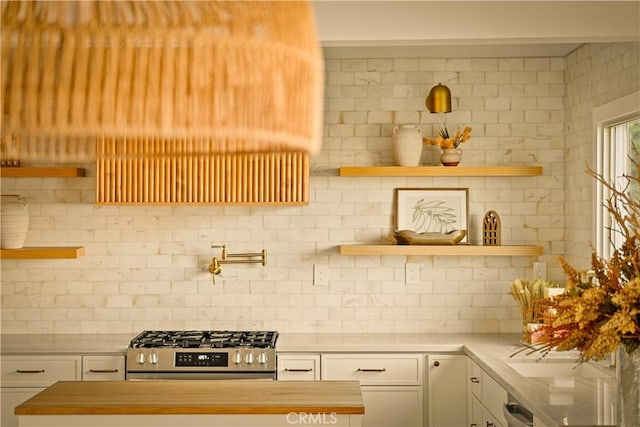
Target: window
617 154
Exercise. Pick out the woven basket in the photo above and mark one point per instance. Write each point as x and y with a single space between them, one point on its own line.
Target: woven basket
14 215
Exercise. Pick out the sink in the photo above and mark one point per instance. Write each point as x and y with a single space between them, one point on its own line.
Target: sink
557 368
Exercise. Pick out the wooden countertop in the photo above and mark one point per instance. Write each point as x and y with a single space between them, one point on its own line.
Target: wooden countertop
195 397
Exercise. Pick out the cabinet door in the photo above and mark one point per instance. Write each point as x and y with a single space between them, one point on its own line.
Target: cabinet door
103 368
392 406
10 398
298 367
447 390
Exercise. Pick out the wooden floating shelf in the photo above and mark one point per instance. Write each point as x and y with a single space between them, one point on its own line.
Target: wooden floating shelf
441 171
29 172
43 252
440 250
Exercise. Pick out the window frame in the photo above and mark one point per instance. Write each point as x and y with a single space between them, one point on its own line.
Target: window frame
609 165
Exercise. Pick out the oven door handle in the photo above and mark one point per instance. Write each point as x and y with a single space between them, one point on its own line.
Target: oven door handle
152 376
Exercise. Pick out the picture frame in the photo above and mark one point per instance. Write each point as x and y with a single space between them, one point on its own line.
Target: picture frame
432 210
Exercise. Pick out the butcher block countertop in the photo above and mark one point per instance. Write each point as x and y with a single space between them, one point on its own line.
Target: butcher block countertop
195 397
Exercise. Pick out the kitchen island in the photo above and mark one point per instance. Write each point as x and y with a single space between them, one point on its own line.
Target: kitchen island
194 403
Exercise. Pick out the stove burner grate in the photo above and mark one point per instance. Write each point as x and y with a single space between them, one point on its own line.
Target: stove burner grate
205 339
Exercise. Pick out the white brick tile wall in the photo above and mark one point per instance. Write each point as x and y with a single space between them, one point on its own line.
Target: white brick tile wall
147 267
598 73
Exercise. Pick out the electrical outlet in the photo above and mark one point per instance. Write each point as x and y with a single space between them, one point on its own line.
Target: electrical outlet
540 270
320 275
411 273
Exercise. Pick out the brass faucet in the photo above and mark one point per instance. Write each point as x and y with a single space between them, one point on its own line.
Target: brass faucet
215 267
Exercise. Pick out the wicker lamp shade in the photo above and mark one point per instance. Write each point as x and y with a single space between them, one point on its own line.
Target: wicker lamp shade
213 76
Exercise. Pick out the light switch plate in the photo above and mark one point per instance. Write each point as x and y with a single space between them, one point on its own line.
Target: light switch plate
411 273
320 274
540 270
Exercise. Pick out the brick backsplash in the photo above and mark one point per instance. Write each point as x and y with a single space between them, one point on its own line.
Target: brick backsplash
596 74
147 267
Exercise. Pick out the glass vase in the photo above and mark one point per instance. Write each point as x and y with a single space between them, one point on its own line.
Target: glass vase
628 378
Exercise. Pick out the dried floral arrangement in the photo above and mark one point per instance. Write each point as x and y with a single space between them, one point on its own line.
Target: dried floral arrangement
445 141
596 316
530 296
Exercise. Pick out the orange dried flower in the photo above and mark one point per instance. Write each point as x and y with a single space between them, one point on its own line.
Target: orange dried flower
445 141
600 309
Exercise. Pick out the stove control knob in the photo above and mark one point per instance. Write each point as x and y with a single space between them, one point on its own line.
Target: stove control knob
140 358
237 358
249 358
262 358
153 358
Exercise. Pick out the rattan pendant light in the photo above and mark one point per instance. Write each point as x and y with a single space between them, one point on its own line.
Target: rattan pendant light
198 76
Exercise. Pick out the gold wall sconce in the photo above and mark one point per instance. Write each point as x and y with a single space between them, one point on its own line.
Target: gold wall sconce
215 267
439 99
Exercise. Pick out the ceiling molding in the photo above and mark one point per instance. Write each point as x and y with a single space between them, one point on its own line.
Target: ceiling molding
452 51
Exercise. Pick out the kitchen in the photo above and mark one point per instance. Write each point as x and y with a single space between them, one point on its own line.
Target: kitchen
146 268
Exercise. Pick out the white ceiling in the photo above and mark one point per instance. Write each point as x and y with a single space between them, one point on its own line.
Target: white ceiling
476 28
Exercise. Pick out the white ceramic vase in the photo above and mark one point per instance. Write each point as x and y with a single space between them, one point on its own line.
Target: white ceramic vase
451 156
14 217
407 145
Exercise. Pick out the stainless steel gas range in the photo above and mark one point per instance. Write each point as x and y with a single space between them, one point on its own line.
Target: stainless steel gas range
202 355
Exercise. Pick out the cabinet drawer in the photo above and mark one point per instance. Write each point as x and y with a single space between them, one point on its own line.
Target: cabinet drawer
494 397
373 369
475 379
102 368
38 371
298 367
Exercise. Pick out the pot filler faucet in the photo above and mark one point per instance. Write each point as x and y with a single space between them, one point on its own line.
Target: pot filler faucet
215 267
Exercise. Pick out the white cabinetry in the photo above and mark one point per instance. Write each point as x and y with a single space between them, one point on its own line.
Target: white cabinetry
447 390
103 368
24 376
392 385
485 399
298 367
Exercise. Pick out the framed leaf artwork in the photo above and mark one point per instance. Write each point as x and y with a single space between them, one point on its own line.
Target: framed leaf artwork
432 210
